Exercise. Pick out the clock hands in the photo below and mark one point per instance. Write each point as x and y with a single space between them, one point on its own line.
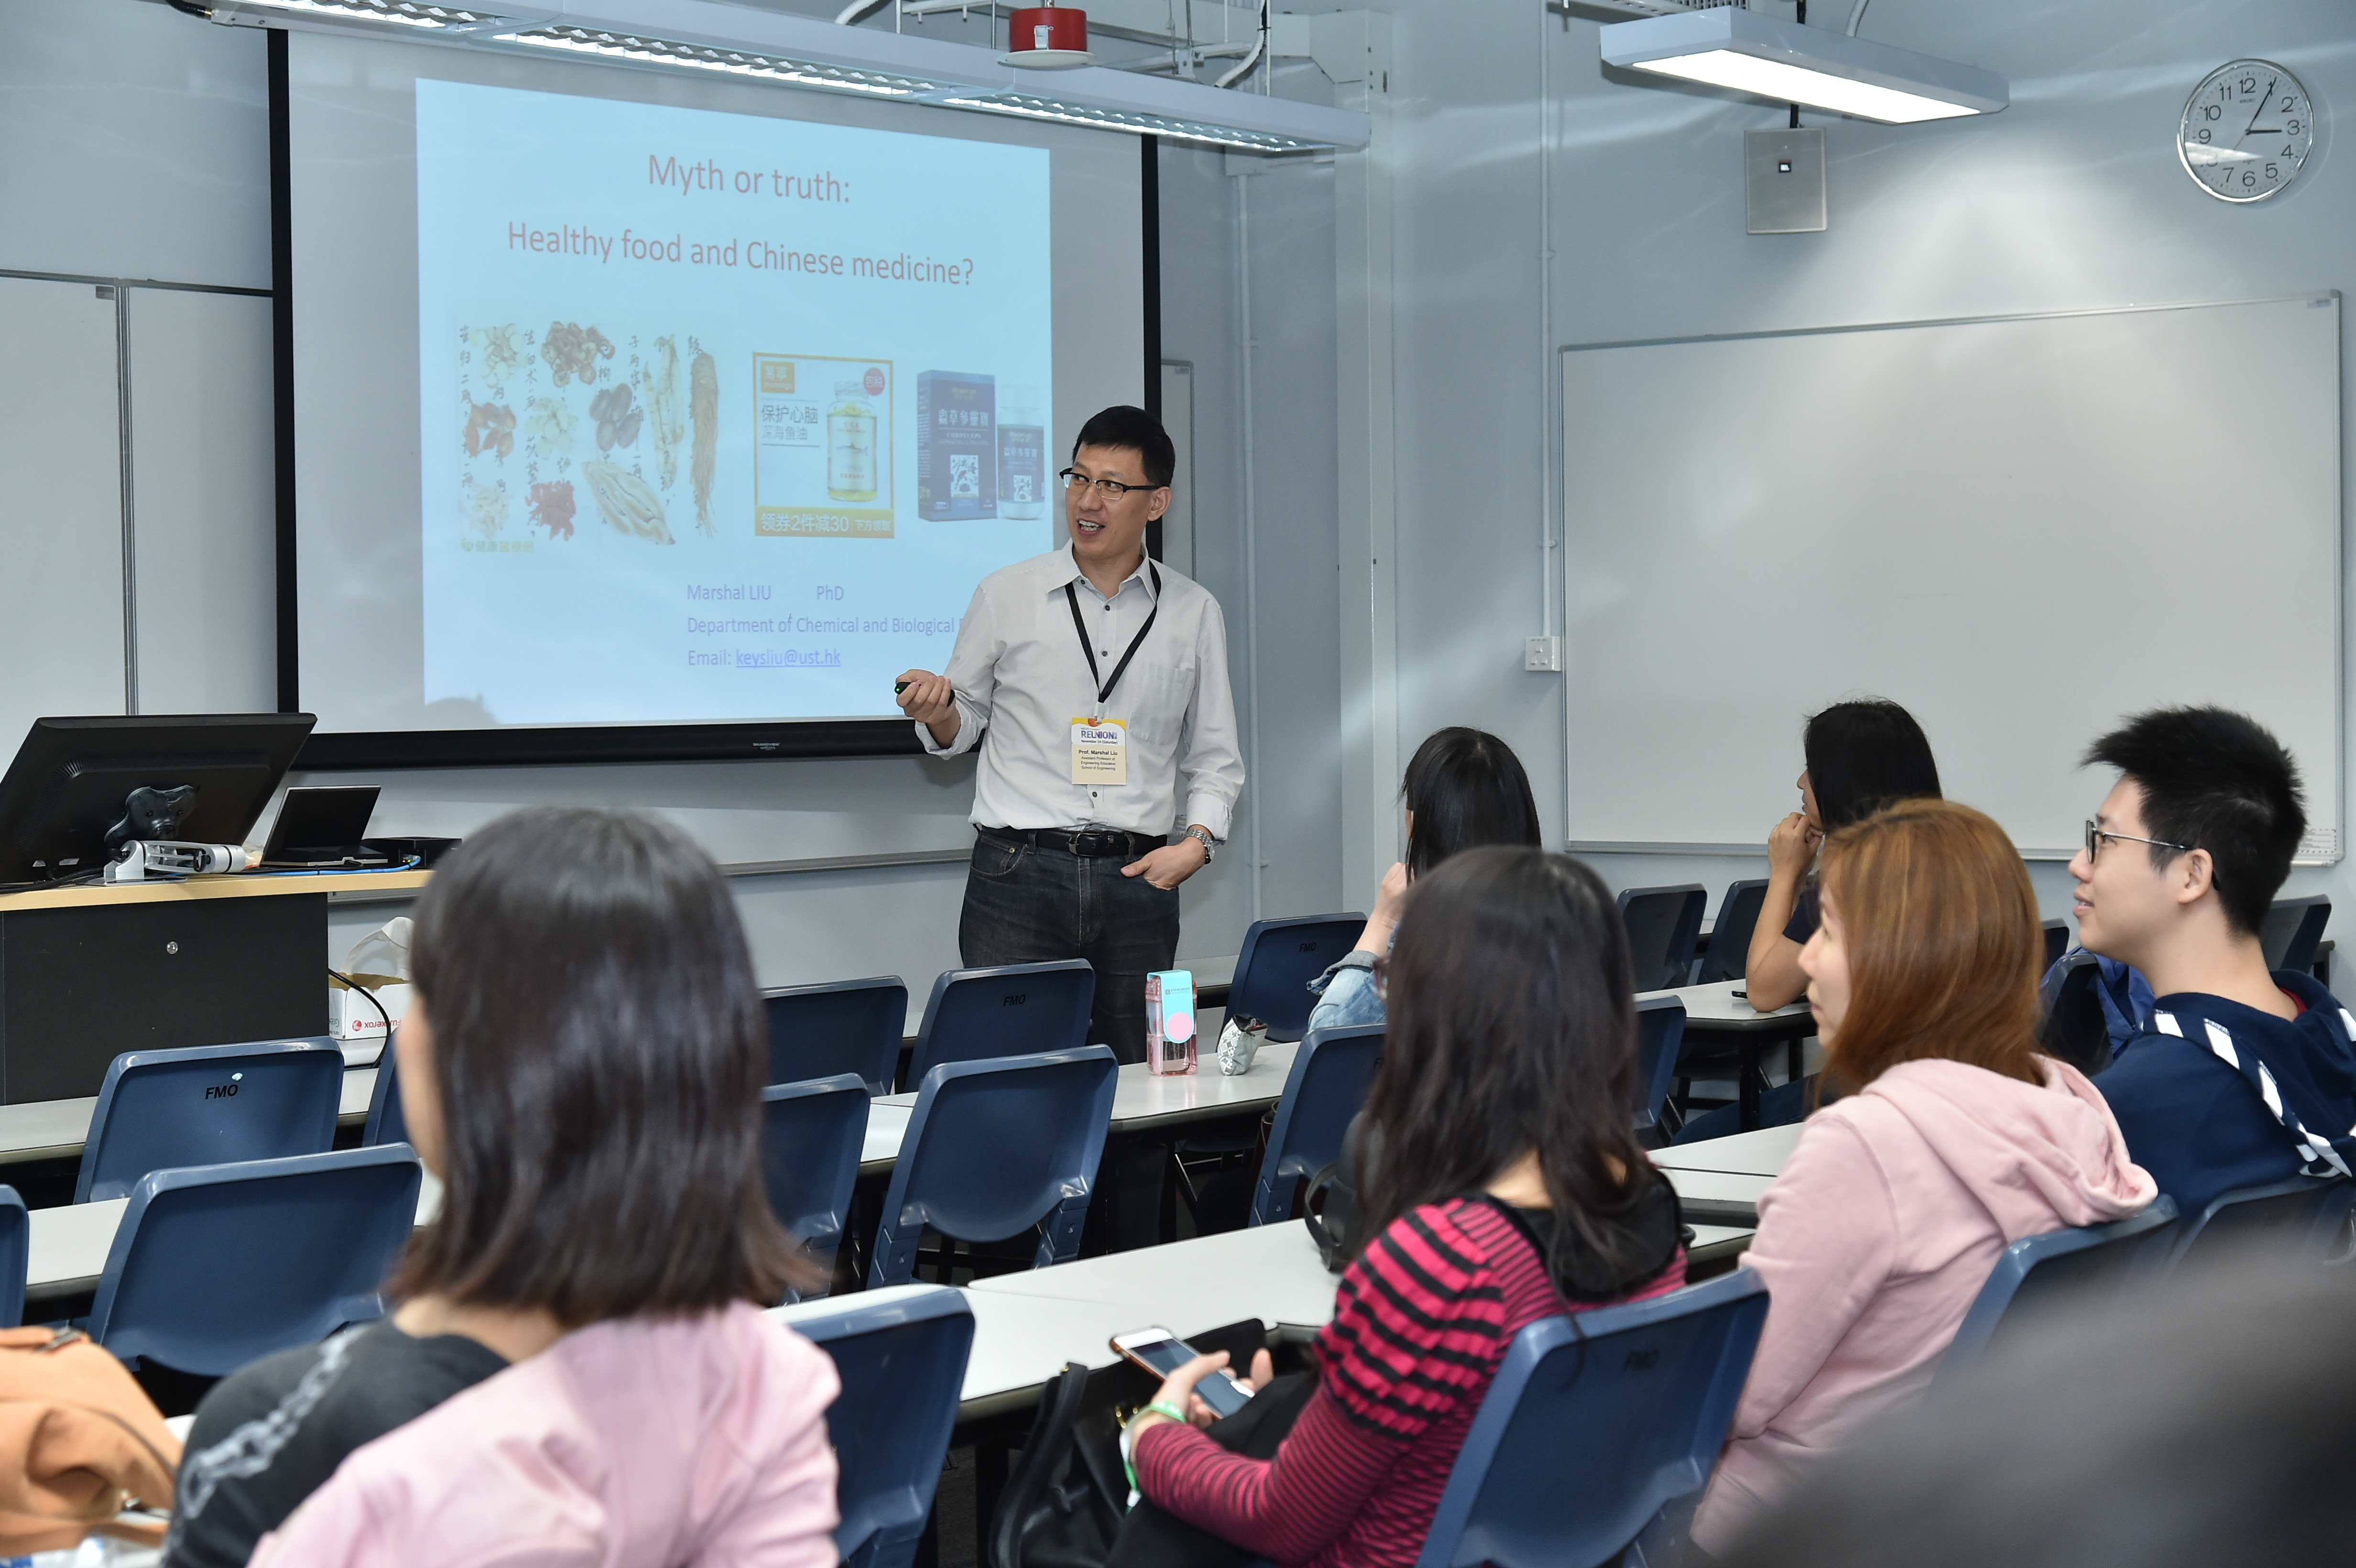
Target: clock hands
2264 99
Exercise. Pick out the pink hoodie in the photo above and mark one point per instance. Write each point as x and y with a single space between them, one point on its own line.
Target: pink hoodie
636 1442
1881 1229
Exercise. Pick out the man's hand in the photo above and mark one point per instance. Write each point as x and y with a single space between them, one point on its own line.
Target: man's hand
1171 864
930 700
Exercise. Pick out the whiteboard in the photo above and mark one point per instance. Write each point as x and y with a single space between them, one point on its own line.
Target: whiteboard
61 505
2020 527
204 490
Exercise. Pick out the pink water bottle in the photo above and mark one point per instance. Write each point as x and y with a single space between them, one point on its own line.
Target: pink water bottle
1170 1022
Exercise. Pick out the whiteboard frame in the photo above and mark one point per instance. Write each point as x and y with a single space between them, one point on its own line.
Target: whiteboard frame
1558 436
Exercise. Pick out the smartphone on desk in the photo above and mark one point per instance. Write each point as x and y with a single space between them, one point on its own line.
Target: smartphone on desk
1161 1352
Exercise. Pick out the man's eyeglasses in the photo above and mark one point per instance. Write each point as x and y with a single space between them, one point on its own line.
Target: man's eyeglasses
1111 490
2094 837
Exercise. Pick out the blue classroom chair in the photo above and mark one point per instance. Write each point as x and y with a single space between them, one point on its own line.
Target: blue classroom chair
1012 1009
812 1134
216 1265
1663 925
1596 1422
1279 959
900 1353
1660 1034
1729 957
15 1256
1327 1085
386 1124
2306 1216
2077 1269
210 1104
995 1148
845 1026
2292 932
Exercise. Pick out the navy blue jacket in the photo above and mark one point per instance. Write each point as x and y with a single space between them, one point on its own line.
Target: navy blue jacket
2201 1125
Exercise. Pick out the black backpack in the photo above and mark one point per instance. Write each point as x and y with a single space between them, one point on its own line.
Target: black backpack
1066 1502
1336 1220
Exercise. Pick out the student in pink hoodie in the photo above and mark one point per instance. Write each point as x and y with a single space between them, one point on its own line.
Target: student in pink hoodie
1956 1139
582 1068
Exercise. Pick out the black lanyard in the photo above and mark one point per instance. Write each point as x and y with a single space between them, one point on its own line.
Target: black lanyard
1081 624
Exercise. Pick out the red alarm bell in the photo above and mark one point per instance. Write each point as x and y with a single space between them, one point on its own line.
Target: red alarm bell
1048 38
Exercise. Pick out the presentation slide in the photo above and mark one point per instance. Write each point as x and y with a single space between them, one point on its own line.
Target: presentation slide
630 398
723 416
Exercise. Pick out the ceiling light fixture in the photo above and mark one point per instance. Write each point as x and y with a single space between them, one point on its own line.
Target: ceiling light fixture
731 62
1030 107
1787 62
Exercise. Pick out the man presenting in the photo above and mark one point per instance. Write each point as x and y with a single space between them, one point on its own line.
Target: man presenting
1093 681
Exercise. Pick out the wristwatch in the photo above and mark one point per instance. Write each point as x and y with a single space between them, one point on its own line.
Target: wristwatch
1210 845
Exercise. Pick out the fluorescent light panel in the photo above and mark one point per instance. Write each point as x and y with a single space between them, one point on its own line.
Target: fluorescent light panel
1787 62
402 13
728 62
531 31
1032 108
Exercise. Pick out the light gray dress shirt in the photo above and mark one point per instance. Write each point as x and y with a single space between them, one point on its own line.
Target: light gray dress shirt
1021 679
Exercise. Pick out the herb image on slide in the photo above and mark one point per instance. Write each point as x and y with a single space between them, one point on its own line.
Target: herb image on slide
703 393
665 413
627 502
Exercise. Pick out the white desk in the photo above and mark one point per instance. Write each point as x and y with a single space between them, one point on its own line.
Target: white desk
1027 1326
68 1245
56 1129
1141 1102
1762 1153
1716 1007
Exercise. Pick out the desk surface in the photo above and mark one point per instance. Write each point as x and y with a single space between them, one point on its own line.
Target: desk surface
240 885
1716 1007
1027 1326
1760 1153
1141 1102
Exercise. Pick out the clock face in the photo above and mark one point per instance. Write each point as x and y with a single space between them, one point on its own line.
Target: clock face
2246 130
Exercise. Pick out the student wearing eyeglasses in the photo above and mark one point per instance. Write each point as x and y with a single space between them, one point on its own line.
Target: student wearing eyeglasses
1094 683
2236 1077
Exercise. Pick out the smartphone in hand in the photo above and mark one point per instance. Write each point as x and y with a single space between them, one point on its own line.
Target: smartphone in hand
1161 1352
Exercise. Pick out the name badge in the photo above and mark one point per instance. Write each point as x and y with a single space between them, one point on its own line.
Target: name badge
1099 751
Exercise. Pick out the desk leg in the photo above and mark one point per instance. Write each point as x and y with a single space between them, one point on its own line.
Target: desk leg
1796 1060
1747 1090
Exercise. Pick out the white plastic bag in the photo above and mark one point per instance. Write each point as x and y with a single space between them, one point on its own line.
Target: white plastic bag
1238 1046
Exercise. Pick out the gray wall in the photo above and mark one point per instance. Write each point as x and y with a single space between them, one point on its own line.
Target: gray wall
2072 197
136 147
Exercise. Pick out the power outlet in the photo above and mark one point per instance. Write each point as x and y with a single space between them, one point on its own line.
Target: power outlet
1542 655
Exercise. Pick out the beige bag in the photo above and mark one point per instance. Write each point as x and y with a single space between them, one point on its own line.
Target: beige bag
80 1442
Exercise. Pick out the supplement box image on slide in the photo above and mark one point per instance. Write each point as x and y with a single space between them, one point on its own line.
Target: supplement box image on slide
823 460
957 445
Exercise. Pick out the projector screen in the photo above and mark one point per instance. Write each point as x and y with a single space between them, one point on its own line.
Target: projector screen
627 401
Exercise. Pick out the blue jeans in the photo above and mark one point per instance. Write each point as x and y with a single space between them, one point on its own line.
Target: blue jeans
1024 904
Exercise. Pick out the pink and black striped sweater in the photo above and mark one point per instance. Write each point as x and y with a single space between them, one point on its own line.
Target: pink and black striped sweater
1420 1326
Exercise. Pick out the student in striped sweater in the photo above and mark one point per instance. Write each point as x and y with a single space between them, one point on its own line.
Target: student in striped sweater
1508 1188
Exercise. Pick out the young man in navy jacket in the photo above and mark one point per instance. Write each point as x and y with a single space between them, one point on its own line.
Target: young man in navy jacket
2237 1077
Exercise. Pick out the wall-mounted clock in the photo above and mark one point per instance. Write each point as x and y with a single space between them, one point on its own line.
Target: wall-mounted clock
2247 129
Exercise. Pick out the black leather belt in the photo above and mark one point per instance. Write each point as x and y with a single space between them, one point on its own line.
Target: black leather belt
1088 844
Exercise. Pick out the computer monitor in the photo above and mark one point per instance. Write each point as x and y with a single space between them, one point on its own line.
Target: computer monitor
72 777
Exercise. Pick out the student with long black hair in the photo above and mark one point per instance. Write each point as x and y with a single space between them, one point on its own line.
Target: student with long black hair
1463 788
1509 1186
1858 757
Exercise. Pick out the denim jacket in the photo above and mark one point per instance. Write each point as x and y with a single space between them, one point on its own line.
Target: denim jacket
1346 994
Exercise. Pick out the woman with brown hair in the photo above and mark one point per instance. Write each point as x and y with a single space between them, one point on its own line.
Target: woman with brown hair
1956 1139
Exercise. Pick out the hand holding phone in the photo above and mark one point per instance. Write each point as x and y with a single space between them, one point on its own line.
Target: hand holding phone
1161 1352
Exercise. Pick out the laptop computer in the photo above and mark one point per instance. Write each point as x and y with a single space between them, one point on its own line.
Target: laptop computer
322 828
